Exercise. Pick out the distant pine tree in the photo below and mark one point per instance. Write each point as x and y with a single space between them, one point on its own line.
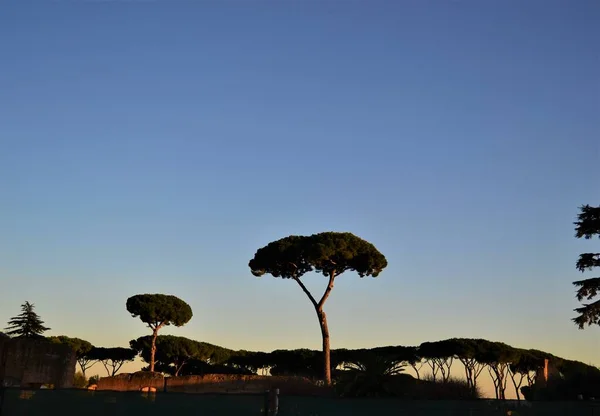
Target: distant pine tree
26 325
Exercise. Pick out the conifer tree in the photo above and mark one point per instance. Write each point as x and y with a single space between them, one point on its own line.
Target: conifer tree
27 324
588 227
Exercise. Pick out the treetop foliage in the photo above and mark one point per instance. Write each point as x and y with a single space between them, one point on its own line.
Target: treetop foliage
158 309
112 358
467 348
253 361
527 361
112 353
588 222
498 352
326 253
409 355
439 349
80 346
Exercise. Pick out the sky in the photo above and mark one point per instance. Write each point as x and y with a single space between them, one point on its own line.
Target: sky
154 146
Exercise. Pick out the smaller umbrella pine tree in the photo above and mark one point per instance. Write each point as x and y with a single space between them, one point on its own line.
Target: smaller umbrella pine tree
173 352
81 348
113 358
158 310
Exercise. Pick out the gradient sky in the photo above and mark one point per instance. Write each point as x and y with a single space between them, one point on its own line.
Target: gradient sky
153 146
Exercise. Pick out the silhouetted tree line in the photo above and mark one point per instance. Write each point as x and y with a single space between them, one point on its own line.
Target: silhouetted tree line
505 364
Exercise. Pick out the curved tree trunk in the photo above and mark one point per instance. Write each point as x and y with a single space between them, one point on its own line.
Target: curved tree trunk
326 347
322 323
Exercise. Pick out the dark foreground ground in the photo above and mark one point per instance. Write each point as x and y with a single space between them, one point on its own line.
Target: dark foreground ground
101 403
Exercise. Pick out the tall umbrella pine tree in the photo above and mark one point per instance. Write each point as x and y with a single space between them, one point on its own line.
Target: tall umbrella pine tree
328 253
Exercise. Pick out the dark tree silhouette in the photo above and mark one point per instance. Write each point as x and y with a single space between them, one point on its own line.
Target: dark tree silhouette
199 367
173 352
81 348
301 362
112 358
157 310
587 226
380 361
329 253
467 351
253 362
498 356
524 368
440 356
27 324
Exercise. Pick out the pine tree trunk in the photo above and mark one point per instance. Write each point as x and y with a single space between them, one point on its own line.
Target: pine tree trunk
83 371
326 347
153 349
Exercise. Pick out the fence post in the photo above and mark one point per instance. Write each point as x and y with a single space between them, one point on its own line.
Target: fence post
276 402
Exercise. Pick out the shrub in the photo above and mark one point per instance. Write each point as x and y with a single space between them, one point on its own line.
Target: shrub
79 381
452 389
93 380
374 375
403 386
357 384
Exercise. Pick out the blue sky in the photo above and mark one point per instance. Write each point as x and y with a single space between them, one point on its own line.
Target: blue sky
154 146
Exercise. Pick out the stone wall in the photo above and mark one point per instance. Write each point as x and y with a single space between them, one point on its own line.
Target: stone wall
212 384
27 362
132 382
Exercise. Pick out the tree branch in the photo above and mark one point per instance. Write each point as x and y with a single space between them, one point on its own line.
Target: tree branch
589 314
588 288
179 367
327 291
105 364
414 366
310 296
117 366
85 363
587 261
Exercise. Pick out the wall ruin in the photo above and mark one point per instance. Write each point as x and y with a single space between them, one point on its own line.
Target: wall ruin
211 384
32 362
